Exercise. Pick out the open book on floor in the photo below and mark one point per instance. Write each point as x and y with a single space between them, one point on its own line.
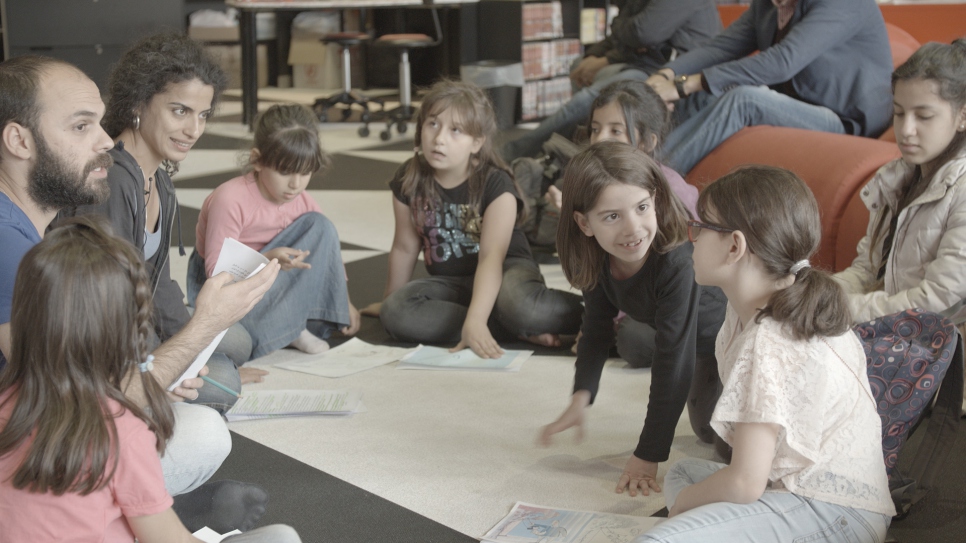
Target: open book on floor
266 404
436 358
528 523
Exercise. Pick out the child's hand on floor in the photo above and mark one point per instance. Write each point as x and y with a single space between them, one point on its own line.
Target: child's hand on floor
572 417
355 321
477 337
289 258
371 310
638 474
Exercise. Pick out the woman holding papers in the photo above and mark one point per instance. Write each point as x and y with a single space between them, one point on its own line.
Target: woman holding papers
160 96
625 244
268 210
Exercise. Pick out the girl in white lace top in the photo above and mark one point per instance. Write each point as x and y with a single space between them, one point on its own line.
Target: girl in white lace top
796 407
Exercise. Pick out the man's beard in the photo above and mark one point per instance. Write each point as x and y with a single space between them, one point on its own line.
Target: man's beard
53 185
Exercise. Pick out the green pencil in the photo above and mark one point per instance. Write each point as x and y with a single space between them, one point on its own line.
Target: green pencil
211 381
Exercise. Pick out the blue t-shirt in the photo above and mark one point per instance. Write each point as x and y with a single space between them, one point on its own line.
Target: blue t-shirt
17 236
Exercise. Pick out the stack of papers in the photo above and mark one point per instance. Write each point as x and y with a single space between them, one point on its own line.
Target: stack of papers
351 357
436 358
529 523
266 404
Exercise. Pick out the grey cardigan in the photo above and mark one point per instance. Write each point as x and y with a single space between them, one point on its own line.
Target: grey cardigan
835 55
125 210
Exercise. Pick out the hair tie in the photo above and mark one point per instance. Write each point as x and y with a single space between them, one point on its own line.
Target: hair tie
147 365
799 266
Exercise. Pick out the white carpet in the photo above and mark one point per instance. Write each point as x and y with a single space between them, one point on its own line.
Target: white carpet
459 447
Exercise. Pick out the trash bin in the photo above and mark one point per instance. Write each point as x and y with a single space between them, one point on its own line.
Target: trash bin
502 80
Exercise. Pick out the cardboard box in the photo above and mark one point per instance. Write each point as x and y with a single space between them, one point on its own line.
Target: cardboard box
213 33
315 65
229 58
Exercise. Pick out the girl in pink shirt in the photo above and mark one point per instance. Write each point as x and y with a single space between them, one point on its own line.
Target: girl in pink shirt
78 459
268 210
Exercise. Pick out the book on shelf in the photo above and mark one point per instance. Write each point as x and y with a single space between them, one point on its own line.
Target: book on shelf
543 98
542 20
545 59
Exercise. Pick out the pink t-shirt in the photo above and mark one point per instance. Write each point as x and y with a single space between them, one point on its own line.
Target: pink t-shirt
687 193
137 489
236 209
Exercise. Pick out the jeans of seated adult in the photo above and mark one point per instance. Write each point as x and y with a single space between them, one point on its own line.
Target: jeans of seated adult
433 309
705 121
573 113
299 296
223 371
197 448
237 343
776 516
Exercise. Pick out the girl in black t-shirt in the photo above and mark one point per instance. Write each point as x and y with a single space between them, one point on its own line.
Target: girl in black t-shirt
625 245
457 201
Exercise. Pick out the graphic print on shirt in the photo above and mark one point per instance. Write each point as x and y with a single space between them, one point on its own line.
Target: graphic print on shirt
450 231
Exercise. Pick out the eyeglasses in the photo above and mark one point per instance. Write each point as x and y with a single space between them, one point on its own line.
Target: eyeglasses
694 229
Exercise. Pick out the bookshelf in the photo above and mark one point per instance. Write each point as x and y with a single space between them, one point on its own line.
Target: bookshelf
543 35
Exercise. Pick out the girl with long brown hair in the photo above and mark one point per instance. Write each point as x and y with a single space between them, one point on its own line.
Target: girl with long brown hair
78 459
458 202
625 245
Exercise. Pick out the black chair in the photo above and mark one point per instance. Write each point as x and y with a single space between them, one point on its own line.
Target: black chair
347 97
404 42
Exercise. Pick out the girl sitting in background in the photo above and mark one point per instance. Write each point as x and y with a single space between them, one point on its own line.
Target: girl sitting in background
457 200
796 406
78 460
268 210
631 112
625 246
912 254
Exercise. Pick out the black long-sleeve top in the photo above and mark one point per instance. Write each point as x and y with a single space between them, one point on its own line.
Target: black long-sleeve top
686 317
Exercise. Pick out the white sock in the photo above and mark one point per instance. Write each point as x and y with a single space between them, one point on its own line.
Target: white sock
309 343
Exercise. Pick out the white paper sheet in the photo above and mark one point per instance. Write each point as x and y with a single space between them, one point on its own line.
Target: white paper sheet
208 535
528 523
351 357
238 259
294 403
437 358
242 262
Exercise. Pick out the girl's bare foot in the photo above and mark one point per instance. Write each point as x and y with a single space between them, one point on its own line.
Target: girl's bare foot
309 343
251 375
547 340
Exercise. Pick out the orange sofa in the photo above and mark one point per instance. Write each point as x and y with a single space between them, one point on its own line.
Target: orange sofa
834 166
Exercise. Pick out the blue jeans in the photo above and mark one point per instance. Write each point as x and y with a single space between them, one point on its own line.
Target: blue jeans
566 119
776 516
704 121
222 370
432 310
316 299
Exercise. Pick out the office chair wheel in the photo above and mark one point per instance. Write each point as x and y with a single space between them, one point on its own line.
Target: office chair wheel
401 127
363 131
385 135
365 116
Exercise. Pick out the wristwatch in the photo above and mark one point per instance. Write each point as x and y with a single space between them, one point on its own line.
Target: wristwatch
679 85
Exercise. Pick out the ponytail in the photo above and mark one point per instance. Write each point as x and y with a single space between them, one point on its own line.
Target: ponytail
779 217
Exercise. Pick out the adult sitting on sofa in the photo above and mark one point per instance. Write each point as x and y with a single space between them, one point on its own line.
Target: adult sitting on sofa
644 36
822 65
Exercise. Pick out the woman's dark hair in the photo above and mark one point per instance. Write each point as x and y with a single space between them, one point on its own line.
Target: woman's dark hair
79 322
148 67
779 217
474 112
287 141
645 113
587 175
